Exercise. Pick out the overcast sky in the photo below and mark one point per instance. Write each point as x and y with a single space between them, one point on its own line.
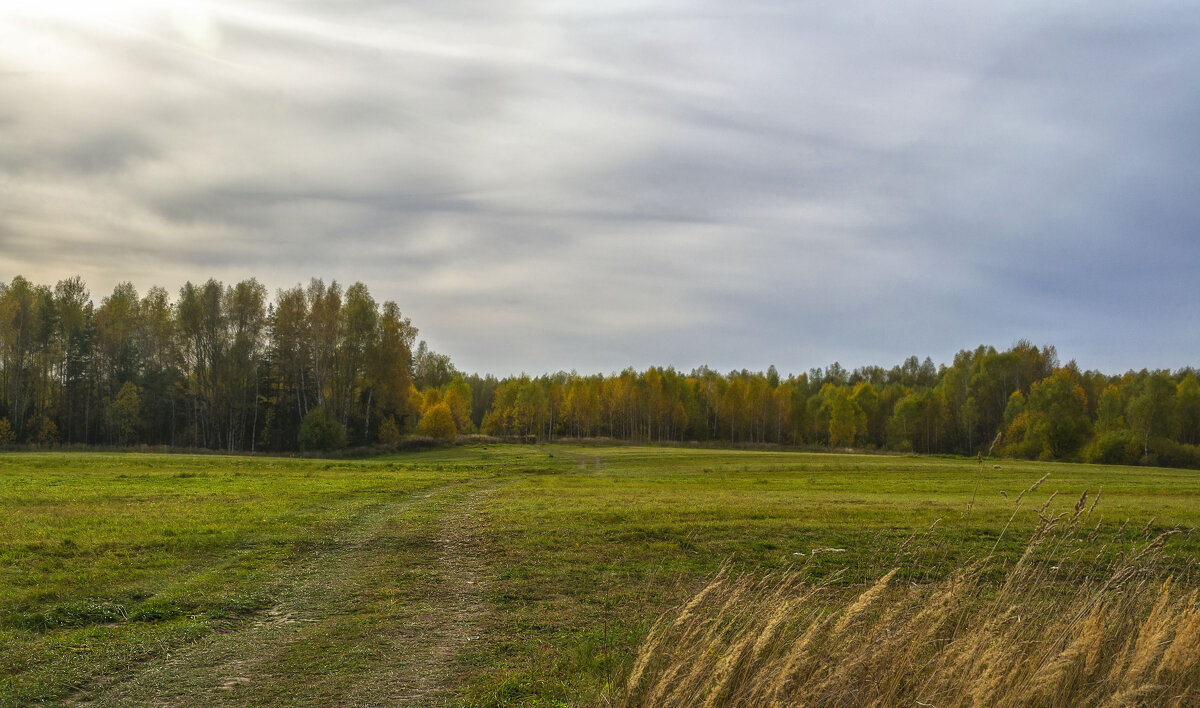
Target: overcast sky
593 185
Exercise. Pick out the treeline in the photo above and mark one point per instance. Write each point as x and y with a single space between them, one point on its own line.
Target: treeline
1020 402
220 367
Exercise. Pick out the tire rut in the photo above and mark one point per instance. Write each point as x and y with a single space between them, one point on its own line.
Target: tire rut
463 582
315 647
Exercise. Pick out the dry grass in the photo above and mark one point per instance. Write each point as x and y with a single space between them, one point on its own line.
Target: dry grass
1046 635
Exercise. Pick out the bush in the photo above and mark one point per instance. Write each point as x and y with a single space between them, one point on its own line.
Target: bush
7 436
1124 447
319 431
438 422
1116 447
47 435
389 432
1168 453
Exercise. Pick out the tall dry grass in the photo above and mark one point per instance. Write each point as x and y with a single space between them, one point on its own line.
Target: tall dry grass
1104 634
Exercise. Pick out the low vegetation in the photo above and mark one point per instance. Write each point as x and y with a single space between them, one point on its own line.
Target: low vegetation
1060 629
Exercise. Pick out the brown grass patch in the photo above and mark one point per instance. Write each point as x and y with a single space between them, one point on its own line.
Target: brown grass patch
1119 636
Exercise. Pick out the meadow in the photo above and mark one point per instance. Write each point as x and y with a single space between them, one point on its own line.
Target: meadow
513 575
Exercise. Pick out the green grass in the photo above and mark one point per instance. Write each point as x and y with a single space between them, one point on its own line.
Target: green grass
140 578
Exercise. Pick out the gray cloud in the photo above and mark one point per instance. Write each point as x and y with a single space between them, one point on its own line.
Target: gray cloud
595 186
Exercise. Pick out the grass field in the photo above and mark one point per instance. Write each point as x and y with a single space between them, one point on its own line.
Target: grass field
485 575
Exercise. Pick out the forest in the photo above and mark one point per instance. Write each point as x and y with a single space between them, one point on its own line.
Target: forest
225 367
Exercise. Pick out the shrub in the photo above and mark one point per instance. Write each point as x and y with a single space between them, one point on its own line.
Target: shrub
389 432
47 435
1115 447
1168 453
438 422
7 436
319 431
1124 447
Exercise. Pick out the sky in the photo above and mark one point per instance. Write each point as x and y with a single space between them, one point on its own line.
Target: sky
556 185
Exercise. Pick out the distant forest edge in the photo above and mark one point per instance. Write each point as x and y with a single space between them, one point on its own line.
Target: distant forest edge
222 368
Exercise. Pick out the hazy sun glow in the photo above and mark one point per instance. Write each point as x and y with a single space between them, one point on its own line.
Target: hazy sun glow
114 12
190 23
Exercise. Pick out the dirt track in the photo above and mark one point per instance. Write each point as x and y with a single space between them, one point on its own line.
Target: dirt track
378 616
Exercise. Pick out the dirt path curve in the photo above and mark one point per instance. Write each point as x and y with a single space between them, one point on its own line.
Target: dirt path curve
377 615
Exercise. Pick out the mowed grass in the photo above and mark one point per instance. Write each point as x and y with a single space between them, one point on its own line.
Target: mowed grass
590 556
112 566
107 559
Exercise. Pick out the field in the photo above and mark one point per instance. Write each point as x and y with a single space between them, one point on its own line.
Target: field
480 575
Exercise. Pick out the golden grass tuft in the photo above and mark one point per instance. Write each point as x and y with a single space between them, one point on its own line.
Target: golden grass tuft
1037 637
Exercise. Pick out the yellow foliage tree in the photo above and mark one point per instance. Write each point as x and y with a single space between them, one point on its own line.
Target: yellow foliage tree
846 419
438 422
429 399
458 397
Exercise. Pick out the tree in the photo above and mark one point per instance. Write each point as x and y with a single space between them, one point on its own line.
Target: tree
18 316
1152 412
735 413
1055 417
438 422
457 396
798 411
244 307
679 418
360 327
528 407
430 398
430 369
1188 405
124 414
389 367
116 337
871 424
1108 410
76 317
846 419
916 420
47 432
325 330
291 354
581 407
205 345
483 393
161 376
321 431
389 432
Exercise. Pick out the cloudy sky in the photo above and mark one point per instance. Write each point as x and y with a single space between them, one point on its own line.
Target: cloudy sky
592 185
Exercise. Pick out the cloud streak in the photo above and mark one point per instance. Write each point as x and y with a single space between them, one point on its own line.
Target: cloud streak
546 186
